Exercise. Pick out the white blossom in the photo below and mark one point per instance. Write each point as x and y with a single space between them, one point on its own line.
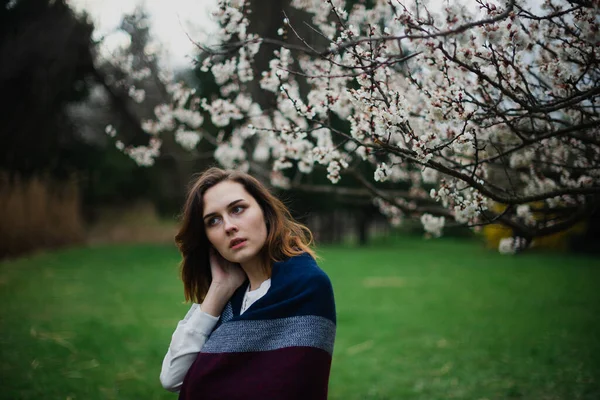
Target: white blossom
187 139
230 154
382 173
261 152
432 224
222 111
281 164
524 212
138 95
429 175
333 171
223 71
110 131
145 155
511 245
279 180
192 118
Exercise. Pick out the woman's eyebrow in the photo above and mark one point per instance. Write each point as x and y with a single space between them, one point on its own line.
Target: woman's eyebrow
228 205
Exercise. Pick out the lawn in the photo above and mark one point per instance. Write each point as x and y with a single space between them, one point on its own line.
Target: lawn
417 319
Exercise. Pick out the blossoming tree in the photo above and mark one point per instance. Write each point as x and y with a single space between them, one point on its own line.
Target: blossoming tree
488 112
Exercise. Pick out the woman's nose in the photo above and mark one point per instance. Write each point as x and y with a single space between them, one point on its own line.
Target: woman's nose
230 227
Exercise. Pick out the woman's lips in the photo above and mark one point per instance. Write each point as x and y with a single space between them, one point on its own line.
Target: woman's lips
239 245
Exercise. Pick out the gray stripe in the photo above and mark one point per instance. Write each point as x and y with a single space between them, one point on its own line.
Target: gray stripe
264 335
227 313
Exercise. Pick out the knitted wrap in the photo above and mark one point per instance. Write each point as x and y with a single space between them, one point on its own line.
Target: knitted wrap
280 348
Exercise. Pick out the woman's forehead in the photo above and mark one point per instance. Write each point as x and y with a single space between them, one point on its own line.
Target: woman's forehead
222 194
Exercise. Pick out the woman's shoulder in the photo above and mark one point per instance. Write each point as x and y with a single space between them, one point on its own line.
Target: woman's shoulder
304 286
300 269
302 264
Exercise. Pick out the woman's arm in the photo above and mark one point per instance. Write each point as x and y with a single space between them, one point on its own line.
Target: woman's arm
187 341
193 331
191 334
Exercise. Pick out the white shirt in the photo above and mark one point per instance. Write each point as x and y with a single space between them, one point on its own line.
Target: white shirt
191 334
251 296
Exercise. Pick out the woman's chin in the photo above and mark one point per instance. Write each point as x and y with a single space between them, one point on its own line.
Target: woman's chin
241 256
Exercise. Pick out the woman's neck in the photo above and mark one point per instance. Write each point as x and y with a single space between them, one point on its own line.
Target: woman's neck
256 273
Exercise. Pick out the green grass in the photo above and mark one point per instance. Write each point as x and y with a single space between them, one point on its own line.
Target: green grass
416 320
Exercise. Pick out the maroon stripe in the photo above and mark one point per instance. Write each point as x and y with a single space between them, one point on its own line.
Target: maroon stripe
290 373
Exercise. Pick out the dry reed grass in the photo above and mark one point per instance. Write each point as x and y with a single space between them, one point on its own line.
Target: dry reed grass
136 223
38 213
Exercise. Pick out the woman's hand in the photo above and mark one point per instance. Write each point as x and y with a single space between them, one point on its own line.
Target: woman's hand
224 273
226 278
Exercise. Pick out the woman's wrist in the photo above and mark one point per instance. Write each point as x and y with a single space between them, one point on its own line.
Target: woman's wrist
222 288
218 295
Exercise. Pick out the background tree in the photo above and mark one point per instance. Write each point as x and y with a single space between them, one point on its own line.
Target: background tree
55 111
136 92
46 53
469 110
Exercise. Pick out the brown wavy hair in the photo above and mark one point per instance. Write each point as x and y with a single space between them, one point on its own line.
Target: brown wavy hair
285 237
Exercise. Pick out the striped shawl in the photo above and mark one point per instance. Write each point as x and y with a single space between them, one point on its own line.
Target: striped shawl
280 348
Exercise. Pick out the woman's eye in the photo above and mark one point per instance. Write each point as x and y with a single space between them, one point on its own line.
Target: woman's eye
237 209
212 221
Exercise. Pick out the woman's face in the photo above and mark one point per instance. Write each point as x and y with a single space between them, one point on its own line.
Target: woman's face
234 222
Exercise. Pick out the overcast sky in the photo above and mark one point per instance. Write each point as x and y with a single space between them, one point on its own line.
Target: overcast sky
170 19
169 22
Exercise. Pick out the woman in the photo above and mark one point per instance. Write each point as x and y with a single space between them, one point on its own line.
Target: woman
266 325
